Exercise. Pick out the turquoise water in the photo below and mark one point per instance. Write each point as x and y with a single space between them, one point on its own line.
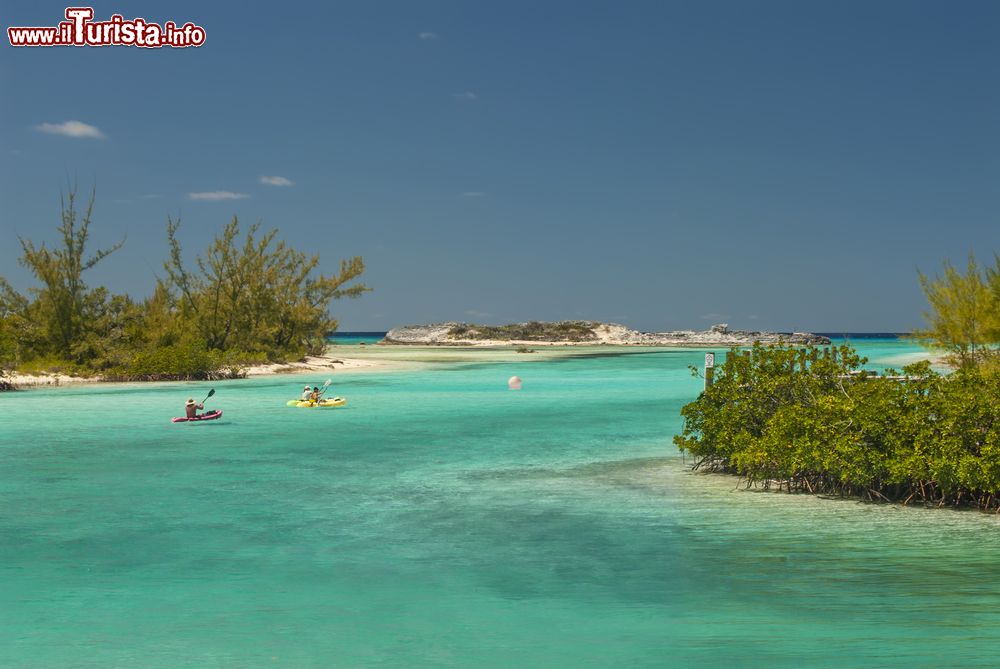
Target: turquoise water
441 520
355 337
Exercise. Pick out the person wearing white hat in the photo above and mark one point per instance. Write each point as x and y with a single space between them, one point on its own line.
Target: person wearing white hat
191 408
306 394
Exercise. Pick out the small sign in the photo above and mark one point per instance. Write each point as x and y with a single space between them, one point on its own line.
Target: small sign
710 360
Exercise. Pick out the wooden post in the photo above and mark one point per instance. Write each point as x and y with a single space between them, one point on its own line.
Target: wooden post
709 369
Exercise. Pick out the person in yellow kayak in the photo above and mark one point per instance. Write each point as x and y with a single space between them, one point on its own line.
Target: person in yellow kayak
191 408
306 394
315 395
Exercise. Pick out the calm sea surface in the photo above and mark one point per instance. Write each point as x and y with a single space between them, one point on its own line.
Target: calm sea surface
442 520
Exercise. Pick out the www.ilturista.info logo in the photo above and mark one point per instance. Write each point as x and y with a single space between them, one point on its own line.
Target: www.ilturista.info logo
80 30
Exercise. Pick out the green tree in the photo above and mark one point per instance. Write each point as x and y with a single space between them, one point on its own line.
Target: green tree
964 315
64 304
13 327
258 295
249 298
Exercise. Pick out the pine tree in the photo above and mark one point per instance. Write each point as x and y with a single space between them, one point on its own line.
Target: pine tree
964 316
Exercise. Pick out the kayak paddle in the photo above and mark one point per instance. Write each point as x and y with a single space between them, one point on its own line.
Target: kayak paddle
210 393
325 386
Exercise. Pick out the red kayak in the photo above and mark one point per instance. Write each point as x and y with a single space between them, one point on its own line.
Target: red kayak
210 415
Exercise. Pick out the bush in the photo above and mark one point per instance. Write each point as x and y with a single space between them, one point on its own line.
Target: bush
179 362
814 421
531 331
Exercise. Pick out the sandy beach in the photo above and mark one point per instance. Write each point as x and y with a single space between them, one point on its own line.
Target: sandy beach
323 363
35 380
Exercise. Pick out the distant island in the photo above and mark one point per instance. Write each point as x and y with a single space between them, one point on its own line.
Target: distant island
584 333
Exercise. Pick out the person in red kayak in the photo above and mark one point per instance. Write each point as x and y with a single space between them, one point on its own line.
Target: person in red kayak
191 408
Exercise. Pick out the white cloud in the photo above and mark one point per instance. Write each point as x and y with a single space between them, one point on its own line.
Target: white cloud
276 181
71 129
473 193
428 35
217 195
467 95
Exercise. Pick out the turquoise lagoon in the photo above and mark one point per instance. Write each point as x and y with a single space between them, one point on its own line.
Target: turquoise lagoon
442 520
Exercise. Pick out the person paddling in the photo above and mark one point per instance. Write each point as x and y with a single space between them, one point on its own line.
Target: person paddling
315 395
191 408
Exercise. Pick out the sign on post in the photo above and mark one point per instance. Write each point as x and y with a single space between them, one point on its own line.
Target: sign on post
709 369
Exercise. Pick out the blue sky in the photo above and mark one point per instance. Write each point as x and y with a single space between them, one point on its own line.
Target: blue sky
775 165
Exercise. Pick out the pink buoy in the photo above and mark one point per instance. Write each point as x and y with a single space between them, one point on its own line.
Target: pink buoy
514 383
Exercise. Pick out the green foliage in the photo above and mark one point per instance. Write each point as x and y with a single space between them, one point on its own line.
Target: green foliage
964 318
184 361
258 296
245 303
12 327
574 331
809 420
64 306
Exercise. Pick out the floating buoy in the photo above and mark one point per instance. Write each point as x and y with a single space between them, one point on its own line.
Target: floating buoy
514 383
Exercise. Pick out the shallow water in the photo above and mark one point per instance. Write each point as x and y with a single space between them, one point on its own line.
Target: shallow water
442 520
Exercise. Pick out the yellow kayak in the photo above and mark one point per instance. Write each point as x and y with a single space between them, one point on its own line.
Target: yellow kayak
332 402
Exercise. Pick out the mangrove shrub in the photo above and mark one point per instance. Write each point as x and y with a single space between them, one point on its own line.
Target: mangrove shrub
814 420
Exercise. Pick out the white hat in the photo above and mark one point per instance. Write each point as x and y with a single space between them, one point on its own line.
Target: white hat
307 388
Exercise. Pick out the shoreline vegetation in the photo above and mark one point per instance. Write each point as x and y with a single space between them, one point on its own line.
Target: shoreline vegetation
247 301
583 333
813 420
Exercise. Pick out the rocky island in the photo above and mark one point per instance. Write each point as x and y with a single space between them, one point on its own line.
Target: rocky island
584 333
